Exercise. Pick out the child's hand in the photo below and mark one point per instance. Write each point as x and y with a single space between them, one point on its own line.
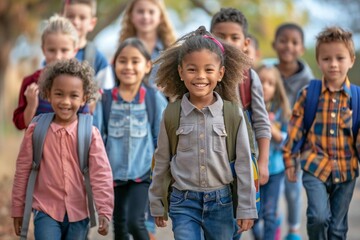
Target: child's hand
245 224
291 174
263 171
31 93
17 225
103 225
160 222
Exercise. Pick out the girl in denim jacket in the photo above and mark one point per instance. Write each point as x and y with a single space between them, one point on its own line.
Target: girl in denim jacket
132 114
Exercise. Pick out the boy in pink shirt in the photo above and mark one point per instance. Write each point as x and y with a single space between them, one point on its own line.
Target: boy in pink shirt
59 198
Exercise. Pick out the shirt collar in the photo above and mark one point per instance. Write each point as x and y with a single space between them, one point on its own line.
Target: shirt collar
139 97
215 109
70 129
345 87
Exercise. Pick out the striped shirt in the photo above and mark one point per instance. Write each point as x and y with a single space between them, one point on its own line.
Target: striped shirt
329 147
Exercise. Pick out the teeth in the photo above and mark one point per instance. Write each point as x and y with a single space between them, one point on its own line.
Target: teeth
201 85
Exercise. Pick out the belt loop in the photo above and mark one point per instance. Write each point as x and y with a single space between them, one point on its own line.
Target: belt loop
185 194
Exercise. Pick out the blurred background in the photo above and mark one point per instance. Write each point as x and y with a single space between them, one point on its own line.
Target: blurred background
20 52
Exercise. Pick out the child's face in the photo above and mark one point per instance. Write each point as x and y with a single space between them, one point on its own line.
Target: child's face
252 52
334 61
145 16
288 46
81 17
232 33
57 46
131 66
268 82
66 97
201 71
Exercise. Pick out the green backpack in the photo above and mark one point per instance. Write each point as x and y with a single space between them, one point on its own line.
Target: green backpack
172 120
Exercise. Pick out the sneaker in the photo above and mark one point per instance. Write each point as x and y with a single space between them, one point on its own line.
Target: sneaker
293 236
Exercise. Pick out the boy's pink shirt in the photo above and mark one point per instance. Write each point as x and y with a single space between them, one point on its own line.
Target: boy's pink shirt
59 187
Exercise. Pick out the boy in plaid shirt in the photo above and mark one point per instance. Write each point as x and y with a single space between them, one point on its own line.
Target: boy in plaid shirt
328 157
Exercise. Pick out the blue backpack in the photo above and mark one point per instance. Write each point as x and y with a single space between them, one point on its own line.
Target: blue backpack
311 105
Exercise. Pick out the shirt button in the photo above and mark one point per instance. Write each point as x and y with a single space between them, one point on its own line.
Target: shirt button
333 114
181 130
202 167
334 100
202 150
201 135
337 180
224 131
332 131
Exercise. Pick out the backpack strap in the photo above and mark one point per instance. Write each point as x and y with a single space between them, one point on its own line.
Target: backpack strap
39 135
232 122
310 108
84 141
172 122
90 54
355 107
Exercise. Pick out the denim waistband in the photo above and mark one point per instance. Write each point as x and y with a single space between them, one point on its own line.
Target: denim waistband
205 196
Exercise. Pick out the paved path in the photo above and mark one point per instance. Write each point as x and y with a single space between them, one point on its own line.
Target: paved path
353 233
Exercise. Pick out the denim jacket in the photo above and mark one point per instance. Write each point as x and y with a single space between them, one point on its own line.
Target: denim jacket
130 141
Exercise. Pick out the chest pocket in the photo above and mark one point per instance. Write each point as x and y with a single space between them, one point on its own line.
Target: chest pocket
184 133
219 138
116 125
139 121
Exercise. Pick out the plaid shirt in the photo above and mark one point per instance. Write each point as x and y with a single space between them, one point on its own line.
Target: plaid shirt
329 147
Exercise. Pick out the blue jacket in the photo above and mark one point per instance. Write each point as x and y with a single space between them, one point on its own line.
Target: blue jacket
131 131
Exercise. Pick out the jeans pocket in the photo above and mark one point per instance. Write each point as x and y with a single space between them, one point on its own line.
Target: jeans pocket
176 198
225 200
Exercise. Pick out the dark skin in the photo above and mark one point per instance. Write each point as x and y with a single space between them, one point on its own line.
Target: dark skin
102 230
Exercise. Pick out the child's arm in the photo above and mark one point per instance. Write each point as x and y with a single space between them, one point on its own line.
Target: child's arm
101 179
17 225
162 164
295 133
28 102
246 191
22 172
261 125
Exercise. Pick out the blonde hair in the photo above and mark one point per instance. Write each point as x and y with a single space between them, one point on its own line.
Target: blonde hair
58 24
90 3
335 34
234 61
280 99
165 30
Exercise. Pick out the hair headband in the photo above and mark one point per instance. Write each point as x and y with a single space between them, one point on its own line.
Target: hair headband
216 42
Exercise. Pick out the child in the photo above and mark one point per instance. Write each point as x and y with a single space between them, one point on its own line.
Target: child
231 25
193 69
58 41
279 113
289 47
82 14
328 157
59 199
148 20
132 114
253 50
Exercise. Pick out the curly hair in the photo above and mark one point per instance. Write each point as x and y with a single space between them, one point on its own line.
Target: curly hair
280 99
139 45
165 30
58 24
234 61
230 15
335 34
72 67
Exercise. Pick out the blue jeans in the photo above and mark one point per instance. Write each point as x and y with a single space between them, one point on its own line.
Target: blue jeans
269 195
46 227
202 215
293 200
328 206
